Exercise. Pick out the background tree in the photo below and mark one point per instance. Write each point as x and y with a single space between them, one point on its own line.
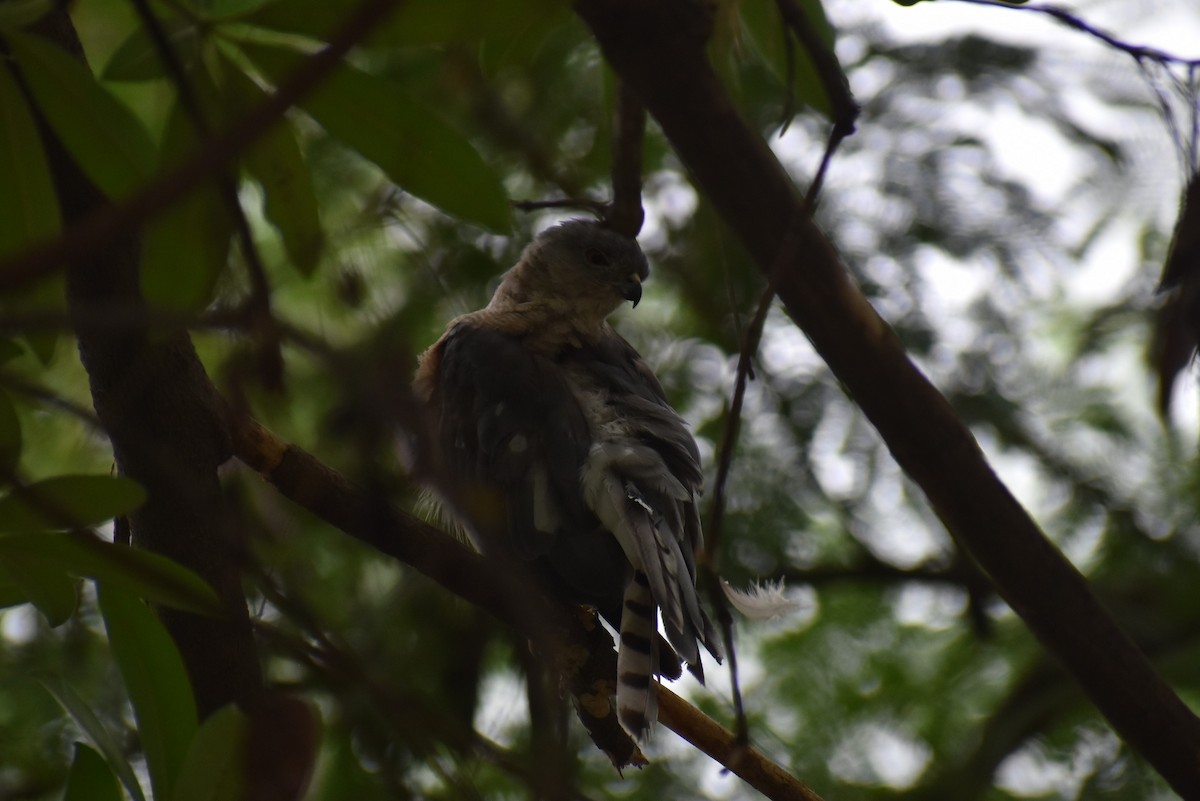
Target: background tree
268 208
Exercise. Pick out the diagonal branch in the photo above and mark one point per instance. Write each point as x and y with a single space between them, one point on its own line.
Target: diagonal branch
568 646
659 51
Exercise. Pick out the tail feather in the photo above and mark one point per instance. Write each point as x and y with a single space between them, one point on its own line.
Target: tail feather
637 660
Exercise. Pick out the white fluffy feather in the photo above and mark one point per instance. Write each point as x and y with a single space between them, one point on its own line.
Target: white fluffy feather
762 601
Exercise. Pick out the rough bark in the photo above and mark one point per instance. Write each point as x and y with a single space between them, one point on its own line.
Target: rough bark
167 426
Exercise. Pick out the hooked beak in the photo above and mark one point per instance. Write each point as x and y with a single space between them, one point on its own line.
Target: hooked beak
632 289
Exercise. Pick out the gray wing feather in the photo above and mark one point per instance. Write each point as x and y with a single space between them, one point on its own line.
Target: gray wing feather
509 421
642 479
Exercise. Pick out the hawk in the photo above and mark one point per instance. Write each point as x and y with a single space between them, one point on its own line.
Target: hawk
562 441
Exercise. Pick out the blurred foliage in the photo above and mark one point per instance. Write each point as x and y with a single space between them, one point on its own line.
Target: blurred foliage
379 212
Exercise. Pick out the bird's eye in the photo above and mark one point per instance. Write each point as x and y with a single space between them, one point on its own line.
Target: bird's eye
596 258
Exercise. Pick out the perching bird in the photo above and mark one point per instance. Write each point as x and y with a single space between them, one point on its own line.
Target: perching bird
567 453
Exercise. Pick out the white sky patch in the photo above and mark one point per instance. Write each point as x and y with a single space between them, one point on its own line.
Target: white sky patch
838 473
1032 772
957 285
877 753
717 782
1028 773
19 625
1033 153
786 351
673 198
1107 267
503 705
896 533
929 606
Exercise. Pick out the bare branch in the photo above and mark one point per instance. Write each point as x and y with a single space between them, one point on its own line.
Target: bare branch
574 646
719 743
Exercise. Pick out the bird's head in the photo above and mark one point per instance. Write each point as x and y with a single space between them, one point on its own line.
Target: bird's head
578 268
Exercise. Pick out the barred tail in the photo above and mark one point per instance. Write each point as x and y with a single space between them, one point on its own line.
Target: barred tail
637 705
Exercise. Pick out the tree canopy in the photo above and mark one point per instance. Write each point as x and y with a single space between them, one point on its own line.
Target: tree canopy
917 296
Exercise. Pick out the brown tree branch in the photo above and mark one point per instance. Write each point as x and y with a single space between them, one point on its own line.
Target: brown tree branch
722 745
659 50
582 652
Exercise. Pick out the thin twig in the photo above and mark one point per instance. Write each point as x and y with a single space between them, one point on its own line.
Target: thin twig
1069 19
1141 55
785 256
625 213
844 109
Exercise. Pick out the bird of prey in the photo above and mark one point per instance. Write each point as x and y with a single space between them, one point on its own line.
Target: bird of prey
562 443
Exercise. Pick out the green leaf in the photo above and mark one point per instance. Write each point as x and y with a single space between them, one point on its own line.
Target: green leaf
90 778
418 150
86 719
278 165
185 250
343 776
157 684
215 767
28 205
136 58
148 575
107 141
10 439
20 13
44 585
63 502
